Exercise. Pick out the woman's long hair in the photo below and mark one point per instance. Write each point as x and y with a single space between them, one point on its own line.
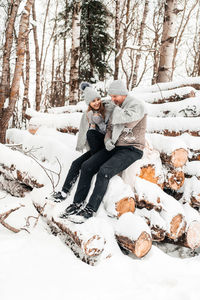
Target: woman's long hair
101 110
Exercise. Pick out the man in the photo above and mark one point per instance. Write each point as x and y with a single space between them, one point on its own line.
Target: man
124 144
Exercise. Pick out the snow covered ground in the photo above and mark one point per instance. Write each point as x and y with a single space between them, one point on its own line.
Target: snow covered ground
37 265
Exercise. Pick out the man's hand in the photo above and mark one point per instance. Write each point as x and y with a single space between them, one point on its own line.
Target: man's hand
109 145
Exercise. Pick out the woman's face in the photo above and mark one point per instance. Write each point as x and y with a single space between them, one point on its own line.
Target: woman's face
95 104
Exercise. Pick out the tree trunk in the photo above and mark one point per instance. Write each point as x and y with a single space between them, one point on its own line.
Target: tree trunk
5 77
138 56
22 36
117 38
75 53
26 102
167 42
38 63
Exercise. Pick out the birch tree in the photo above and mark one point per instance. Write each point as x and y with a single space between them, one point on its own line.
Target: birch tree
6 112
75 53
167 42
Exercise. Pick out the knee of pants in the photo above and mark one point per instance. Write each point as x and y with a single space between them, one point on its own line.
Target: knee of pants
105 173
86 168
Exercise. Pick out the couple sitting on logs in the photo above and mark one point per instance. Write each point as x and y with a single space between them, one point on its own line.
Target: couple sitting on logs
114 131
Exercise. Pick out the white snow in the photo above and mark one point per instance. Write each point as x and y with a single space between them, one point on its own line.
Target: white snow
38 265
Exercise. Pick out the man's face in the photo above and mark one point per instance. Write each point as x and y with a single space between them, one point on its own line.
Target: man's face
118 99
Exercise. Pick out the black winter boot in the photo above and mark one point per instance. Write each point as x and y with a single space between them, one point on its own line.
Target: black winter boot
71 210
82 215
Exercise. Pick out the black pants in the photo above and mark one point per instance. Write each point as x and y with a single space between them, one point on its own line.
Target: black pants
106 164
96 142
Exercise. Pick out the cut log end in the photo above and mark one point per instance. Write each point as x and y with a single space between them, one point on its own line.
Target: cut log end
143 244
125 205
179 158
177 227
148 173
94 246
175 180
192 239
140 247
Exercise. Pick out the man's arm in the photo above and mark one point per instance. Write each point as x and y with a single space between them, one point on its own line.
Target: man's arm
134 112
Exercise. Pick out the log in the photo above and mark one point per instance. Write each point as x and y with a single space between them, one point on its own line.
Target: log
149 167
188 82
174 126
119 198
191 237
15 166
173 214
14 188
149 173
63 122
155 222
174 178
173 150
149 197
186 108
85 244
192 168
191 191
125 205
133 234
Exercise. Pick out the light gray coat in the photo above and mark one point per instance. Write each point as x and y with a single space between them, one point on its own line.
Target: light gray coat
131 110
84 125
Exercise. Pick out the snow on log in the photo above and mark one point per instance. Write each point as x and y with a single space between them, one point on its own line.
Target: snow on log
62 122
149 167
119 198
81 106
189 107
164 86
174 178
174 126
42 145
191 237
147 194
15 166
84 239
193 145
173 214
173 150
133 234
192 168
173 95
191 191
155 222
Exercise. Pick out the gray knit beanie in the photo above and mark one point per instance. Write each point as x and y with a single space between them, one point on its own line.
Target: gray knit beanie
117 87
89 93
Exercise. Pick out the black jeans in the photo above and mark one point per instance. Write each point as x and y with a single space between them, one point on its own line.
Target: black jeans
96 142
106 164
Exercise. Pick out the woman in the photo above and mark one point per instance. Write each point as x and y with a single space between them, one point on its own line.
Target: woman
91 136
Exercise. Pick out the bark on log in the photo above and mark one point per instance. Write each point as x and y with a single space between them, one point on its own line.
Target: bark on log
85 246
174 179
140 247
144 197
186 108
14 188
155 222
174 126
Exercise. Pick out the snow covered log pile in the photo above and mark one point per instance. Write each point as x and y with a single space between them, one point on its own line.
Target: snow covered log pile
158 197
18 173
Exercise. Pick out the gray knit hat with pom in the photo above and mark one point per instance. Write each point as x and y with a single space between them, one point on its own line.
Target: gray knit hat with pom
117 87
89 93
